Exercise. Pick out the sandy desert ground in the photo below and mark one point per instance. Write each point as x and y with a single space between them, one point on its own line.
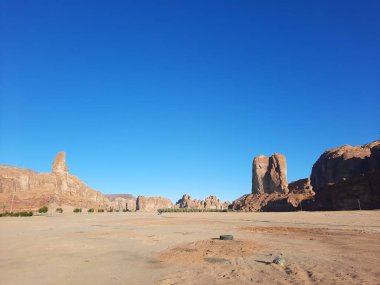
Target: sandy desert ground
182 248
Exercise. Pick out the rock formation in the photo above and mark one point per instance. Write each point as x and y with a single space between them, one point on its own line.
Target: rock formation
345 162
151 204
122 202
343 178
187 202
23 189
270 190
300 186
269 174
347 178
226 204
211 202
273 202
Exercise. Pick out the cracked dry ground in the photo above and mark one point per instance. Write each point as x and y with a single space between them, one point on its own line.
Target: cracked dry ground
182 248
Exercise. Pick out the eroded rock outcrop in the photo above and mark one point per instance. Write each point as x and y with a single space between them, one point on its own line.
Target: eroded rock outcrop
300 186
187 202
151 204
269 174
23 189
347 178
273 202
211 202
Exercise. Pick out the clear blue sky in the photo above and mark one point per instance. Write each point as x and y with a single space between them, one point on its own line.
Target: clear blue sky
173 97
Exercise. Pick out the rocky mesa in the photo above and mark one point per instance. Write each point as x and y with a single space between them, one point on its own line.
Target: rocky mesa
23 189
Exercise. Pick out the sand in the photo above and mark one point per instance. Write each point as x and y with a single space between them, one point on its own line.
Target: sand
183 248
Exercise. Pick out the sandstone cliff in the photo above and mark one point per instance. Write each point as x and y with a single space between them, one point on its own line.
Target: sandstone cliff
23 189
347 178
151 204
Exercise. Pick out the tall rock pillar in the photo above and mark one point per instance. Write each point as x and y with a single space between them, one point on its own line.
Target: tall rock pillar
59 164
269 174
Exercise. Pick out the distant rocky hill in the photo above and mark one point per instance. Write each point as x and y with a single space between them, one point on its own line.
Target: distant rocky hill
210 202
23 189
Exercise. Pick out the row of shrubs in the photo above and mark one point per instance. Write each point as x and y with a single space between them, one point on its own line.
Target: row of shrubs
45 209
92 210
77 210
16 214
188 210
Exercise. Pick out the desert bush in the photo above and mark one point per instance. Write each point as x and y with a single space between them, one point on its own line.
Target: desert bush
110 210
59 210
43 210
77 210
91 210
100 210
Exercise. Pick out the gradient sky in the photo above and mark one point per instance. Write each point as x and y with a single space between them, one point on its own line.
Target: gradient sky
173 97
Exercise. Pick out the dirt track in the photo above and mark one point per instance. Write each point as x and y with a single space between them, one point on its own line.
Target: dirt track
143 248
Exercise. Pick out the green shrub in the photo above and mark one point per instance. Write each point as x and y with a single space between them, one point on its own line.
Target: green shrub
43 210
91 210
100 210
77 210
17 214
26 214
59 210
